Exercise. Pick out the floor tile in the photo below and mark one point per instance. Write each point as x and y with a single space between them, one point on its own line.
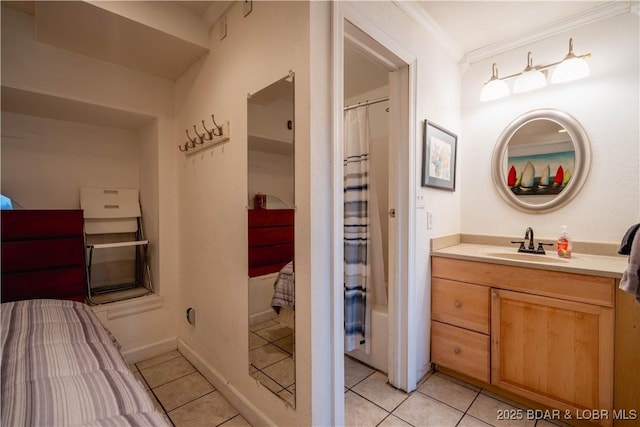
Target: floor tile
469 421
285 343
266 355
183 390
255 341
358 411
489 410
377 389
210 410
237 421
157 404
393 421
282 372
164 372
274 333
158 359
354 372
266 381
262 325
421 410
453 394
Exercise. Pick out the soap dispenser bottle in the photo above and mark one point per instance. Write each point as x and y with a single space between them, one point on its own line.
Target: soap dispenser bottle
564 244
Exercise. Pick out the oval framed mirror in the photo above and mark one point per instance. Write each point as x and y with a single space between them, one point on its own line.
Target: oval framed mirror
541 160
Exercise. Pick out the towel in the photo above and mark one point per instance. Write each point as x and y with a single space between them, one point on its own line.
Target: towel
625 245
631 277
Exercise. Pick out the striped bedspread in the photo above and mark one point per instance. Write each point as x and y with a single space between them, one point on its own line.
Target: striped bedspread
61 367
284 289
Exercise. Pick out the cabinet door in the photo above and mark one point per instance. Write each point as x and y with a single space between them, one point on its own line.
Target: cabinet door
557 352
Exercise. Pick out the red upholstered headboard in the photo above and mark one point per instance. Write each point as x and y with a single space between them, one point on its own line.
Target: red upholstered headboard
270 240
43 255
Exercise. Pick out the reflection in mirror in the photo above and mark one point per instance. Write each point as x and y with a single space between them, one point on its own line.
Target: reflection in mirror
271 216
541 160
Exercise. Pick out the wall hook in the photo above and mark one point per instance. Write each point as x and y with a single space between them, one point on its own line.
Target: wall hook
209 132
218 128
200 137
192 140
218 134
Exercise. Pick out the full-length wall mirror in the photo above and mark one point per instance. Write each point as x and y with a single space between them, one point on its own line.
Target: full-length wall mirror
271 216
541 160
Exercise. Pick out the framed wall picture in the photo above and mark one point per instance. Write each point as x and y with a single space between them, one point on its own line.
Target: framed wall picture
439 157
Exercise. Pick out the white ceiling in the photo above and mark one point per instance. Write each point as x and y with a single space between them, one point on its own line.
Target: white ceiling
477 24
480 29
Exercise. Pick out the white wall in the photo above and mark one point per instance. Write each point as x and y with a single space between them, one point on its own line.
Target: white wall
42 69
45 161
606 104
270 174
258 50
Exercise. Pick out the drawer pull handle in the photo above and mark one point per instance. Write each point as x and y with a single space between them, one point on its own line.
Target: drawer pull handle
456 350
457 304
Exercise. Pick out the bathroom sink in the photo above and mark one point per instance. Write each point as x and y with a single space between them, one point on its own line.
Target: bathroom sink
519 256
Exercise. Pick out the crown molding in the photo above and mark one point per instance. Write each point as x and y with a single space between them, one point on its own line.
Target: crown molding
424 20
587 17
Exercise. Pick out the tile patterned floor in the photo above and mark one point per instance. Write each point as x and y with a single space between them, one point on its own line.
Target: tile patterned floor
188 399
439 401
271 358
183 394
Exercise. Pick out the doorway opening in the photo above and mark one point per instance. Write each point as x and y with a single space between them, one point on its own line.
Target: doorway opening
389 90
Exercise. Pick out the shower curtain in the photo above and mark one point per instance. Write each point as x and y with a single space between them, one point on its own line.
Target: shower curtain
363 262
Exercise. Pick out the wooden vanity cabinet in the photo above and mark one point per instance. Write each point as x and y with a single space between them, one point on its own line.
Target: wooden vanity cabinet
550 332
460 327
553 351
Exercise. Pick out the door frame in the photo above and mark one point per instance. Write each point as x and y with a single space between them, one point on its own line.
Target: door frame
401 309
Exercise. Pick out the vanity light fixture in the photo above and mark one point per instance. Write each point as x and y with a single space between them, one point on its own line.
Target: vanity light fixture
571 67
495 88
531 78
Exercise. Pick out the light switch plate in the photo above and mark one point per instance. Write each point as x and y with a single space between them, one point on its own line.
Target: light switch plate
429 220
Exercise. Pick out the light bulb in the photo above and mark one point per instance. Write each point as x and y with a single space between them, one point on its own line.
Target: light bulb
571 68
494 88
530 78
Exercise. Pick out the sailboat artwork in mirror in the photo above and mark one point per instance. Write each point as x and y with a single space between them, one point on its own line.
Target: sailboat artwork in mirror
271 218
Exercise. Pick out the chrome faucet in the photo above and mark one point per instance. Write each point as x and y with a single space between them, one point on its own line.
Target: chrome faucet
529 235
531 247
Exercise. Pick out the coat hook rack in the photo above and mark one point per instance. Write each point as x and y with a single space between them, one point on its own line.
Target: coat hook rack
214 136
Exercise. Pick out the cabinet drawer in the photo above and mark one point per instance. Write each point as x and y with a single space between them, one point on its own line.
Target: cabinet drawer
461 350
570 286
460 304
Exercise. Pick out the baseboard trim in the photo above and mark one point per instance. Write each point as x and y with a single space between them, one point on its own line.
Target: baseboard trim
139 354
248 410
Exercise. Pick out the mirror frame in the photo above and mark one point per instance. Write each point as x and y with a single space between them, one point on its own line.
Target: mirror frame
582 160
290 77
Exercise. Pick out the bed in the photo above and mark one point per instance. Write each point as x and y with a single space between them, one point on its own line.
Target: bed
271 250
60 366
283 300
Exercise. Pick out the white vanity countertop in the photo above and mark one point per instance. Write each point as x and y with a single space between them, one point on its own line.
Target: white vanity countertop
595 265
